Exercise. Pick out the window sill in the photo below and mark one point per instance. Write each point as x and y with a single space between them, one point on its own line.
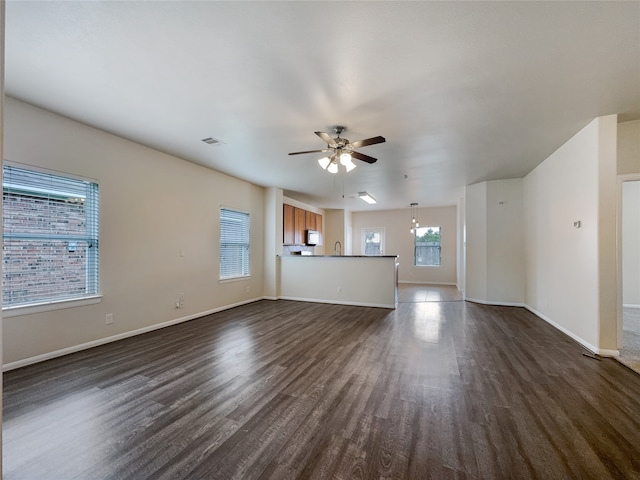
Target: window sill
234 279
48 306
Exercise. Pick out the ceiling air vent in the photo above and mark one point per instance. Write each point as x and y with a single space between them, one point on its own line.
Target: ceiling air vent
212 141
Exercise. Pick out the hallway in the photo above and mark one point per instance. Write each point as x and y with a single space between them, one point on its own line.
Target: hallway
417 293
630 351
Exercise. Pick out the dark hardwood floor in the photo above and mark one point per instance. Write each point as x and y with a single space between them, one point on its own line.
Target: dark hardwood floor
286 390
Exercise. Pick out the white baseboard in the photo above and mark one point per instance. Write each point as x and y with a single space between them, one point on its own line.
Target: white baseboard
630 305
338 302
497 304
428 283
120 336
599 351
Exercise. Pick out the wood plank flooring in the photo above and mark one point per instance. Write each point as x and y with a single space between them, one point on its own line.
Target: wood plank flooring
413 292
293 390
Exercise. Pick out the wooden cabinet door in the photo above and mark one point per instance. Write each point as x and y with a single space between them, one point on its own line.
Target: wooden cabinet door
310 220
299 222
288 225
319 226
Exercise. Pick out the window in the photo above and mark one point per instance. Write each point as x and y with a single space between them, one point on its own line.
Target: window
234 244
427 246
50 237
372 241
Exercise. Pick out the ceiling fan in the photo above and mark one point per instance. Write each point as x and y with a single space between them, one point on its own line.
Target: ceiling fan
342 150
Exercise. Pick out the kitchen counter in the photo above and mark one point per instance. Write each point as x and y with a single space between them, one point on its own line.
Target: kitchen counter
342 279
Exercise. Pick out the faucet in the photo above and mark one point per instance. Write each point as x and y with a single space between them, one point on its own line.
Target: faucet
337 248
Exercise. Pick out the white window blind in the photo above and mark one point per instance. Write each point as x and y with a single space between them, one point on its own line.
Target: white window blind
50 237
234 244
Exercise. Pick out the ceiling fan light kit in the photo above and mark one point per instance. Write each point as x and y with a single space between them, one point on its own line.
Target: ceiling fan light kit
349 166
330 164
342 150
324 162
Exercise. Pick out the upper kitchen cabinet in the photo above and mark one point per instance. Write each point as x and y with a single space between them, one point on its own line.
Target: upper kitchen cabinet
296 221
288 231
299 226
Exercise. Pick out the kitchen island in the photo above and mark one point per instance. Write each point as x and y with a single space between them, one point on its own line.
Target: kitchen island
370 281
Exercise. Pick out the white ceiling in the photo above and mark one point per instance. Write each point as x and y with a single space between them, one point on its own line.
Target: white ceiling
463 92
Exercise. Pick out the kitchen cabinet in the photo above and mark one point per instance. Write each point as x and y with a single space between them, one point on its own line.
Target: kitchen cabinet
310 220
300 218
288 235
319 227
296 221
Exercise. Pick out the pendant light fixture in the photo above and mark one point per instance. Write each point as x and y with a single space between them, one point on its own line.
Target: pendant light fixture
414 221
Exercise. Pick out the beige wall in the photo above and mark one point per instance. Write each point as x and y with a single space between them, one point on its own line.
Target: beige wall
570 272
347 280
495 245
272 240
631 243
628 147
2 22
152 206
476 242
399 241
334 231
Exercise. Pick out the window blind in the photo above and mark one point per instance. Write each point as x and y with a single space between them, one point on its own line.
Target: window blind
234 243
50 237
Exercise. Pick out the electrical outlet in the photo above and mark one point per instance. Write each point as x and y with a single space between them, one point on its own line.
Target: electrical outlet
108 319
178 304
339 289
247 289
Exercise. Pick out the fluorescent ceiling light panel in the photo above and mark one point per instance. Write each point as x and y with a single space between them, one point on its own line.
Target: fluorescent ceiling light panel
366 197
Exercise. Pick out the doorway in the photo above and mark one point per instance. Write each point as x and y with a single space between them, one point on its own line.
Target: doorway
630 266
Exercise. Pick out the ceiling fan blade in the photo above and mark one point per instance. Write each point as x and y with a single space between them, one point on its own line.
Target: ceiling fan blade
363 157
311 151
368 141
327 138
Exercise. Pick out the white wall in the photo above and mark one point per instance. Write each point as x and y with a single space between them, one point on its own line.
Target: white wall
631 243
152 206
570 272
399 241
